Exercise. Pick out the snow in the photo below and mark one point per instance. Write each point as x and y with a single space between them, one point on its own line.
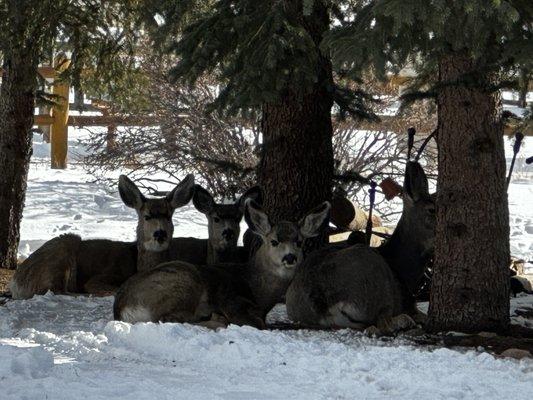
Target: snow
64 347
60 201
61 347
516 110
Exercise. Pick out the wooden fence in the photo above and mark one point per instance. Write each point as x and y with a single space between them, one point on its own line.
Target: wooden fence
57 119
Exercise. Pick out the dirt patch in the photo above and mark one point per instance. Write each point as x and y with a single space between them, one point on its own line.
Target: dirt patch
517 338
5 277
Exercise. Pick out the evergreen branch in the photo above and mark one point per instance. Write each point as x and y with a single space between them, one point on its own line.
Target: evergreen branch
352 102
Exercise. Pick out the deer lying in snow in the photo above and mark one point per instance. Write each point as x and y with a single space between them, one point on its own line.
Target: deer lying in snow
218 295
69 264
223 223
360 287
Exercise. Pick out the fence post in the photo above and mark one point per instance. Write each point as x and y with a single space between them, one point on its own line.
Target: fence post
59 128
111 137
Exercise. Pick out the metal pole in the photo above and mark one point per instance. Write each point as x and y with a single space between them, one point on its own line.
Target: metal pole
516 148
372 193
410 141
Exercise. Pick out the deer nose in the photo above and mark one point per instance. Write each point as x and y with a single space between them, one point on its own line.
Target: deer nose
160 235
228 234
289 259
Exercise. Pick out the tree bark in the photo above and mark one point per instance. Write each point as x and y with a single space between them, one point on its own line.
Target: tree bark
17 98
296 166
470 289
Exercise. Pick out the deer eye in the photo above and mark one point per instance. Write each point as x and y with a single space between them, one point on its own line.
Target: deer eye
274 243
299 243
147 218
216 219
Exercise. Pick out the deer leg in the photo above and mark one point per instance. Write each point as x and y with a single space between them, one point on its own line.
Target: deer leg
383 327
199 313
387 326
402 322
217 321
62 279
384 324
418 316
179 316
372 331
241 311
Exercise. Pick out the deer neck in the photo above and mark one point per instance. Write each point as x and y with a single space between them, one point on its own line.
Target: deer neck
149 259
214 255
406 256
268 288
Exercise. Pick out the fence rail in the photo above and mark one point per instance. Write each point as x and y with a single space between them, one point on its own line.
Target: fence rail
57 119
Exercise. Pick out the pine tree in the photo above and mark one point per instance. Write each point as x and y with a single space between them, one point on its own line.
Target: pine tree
267 56
469 48
98 34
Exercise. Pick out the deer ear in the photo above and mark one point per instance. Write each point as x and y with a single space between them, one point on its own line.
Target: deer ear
130 193
254 193
415 184
182 193
256 219
202 200
311 224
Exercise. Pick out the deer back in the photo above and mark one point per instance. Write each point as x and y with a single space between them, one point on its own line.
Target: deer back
355 286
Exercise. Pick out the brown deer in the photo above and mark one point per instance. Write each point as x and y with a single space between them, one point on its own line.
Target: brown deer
360 287
69 264
218 295
223 224
100 266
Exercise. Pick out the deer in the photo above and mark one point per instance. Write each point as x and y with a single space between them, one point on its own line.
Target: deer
223 224
218 295
369 288
68 264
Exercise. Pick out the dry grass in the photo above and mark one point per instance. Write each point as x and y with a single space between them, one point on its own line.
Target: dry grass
5 277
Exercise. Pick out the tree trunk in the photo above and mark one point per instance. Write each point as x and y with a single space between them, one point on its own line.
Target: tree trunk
296 166
17 97
470 289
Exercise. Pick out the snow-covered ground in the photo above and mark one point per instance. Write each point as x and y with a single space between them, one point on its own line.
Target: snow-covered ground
62 347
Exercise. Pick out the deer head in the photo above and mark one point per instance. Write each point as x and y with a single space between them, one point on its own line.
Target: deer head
154 226
223 220
282 247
